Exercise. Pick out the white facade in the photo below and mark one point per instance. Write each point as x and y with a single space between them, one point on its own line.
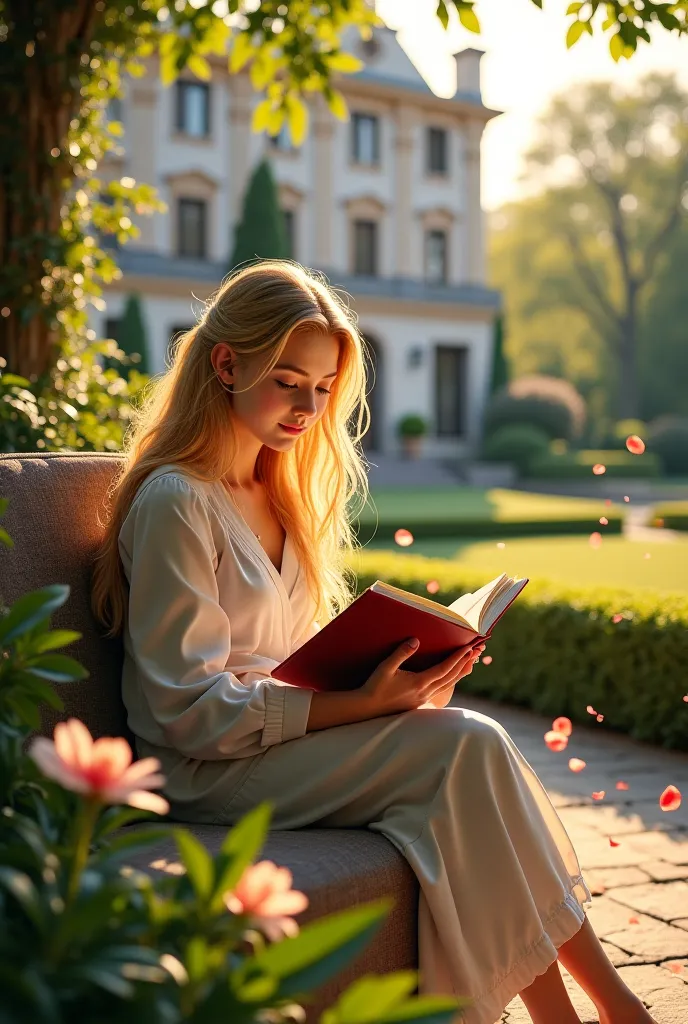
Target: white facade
404 315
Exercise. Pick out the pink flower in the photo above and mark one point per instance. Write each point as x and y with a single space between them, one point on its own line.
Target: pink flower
101 769
264 891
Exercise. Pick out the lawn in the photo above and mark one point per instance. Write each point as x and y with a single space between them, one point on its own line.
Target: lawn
617 562
496 504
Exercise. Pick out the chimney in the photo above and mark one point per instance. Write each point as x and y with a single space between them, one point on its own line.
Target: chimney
468 71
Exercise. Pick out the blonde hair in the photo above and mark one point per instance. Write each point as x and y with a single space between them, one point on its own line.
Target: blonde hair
185 418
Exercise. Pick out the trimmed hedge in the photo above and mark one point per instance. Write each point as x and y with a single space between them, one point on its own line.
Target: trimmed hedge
674 514
578 465
558 650
476 528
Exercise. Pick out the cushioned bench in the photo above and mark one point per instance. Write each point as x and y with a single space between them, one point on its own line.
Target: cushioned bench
53 514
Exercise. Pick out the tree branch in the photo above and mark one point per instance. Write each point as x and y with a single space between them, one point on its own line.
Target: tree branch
589 278
671 223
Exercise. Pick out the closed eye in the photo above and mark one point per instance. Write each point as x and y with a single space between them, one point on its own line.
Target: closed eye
290 387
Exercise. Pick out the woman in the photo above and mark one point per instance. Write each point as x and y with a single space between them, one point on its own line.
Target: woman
224 552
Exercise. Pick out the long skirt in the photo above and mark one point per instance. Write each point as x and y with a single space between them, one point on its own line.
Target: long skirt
500 883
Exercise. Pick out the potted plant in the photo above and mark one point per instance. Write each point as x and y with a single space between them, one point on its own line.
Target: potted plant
412 429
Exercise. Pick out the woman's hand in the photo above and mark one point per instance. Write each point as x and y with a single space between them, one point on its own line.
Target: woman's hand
442 697
390 689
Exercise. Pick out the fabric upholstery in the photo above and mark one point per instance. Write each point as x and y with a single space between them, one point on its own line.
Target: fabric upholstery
53 518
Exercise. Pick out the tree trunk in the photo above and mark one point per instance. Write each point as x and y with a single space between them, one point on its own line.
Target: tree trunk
627 402
39 97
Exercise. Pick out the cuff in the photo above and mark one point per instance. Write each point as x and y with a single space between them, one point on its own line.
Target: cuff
286 713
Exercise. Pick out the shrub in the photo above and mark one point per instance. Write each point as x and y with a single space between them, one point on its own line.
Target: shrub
412 425
550 403
578 465
623 429
668 438
519 444
672 514
558 649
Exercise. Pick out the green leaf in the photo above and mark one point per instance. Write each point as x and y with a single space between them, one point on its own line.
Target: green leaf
126 844
337 104
368 998
31 609
261 116
538 3
442 13
55 638
13 378
25 708
574 8
469 19
117 817
242 51
5 538
323 947
345 62
25 893
197 861
58 668
298 118
574 33
240 847
199 66
616 46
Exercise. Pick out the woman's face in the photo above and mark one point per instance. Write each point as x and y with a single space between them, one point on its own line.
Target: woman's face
294 394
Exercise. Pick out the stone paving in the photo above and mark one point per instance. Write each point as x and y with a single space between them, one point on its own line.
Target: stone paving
640 887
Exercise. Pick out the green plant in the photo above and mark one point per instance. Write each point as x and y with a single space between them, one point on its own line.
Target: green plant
667 437
261 231
519 444
131 334
673 515
578 465
85 937
549 403
412 425
561 648
623 429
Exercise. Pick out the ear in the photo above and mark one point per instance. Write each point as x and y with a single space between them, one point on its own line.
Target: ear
223 360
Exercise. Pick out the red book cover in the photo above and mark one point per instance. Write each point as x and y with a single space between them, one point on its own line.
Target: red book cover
346 651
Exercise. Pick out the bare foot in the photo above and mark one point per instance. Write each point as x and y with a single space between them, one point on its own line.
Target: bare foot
633 1012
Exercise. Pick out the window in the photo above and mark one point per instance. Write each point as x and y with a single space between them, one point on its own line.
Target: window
436 257
289 230
451 368
365 247
192 228
193 109
437 151
366 139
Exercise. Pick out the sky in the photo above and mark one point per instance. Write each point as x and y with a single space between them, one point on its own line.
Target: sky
525 63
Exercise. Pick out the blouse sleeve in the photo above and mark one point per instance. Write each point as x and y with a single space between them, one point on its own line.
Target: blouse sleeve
181 636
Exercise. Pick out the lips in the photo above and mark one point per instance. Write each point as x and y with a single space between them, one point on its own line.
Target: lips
292 429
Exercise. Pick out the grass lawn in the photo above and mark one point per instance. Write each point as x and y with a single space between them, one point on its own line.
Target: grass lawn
403 505
617 562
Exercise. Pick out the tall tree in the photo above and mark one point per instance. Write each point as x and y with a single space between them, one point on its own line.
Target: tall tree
261 232
131 334
62 61
500 367
626 155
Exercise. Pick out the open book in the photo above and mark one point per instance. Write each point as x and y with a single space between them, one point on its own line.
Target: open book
343 654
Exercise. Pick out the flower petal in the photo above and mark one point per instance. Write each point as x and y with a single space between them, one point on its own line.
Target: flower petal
111 755
138 769
73 743
148 801
670 800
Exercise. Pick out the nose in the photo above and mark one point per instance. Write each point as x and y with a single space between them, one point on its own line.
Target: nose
305 406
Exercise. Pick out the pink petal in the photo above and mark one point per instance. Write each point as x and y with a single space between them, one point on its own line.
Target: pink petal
599 795
111 756
635 444
148 801
53 767
613 842
595 539
576 765
73 743
292 902
404 538
622 785
140 768
123 787
556 741
432 586
563 725
598 469
670 800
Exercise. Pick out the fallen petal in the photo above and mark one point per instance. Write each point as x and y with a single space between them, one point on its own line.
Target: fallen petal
617 618
403 538
634 920
432 586
600 718
576 765
604 521
599 795
598 469
670 800
595 539
613 842
590 709
556 741
622 785
487 660
635 444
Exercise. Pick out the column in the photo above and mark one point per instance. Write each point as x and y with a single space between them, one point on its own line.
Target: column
240 114
323 144
141 149
475 240
403 145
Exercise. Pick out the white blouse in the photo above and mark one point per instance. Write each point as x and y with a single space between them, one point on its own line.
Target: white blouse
209 618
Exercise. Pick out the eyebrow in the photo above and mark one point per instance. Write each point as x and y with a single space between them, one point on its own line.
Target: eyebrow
302 373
